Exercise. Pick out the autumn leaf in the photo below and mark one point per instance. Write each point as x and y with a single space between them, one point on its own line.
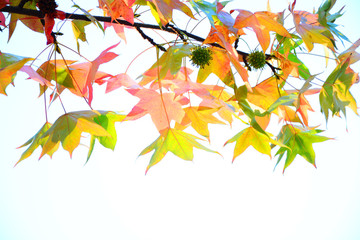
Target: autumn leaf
171 60
335 95
288 61
3 3
162 107
118 28
251 137
213 12
199 119
35 76
107 121
310 30
84 74
350 53
262 23
2 19
120 80
223 101
298 141
33 23
328 20
49 24
36 141
220 66
264 94
9 65
68 128
78 27
302 107
180 143
118 8
162 10
234 59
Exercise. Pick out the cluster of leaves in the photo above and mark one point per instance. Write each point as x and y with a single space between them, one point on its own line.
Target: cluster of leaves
166 92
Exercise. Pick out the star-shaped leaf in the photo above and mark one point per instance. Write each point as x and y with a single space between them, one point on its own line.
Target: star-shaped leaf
252 137
262 23
68 128
172 140
199 119
9 65
162 10
36 141
298 141
163 108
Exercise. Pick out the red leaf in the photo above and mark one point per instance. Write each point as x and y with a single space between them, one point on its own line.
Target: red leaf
2 19
49 24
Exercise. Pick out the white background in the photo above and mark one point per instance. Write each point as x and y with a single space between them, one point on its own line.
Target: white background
210 198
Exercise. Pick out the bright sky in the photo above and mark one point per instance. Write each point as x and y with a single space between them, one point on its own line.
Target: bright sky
110 198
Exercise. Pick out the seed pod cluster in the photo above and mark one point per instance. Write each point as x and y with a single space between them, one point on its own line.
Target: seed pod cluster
201 56
257 59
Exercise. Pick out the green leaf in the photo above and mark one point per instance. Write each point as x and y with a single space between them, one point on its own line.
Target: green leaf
286 100
68 128
78 28
36 141
171 60
178 142
107 121
90 17
298 141
335 95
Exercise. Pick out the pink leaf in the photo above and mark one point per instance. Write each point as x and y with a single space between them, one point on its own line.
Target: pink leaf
35 76
121 80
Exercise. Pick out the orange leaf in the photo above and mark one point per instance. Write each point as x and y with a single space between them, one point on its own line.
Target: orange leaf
9 65
234 59
262 23
199 118
303 106
118 8
84 74
220 66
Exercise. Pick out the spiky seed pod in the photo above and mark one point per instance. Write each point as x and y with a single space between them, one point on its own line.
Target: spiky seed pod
47 7
201 56
257 59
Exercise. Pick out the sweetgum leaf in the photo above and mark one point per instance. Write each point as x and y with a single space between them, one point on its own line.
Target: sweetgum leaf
298 141
172 140
107 121
9 65
252 137
68 128
36 141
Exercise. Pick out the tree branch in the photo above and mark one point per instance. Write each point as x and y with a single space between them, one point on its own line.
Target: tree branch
168 28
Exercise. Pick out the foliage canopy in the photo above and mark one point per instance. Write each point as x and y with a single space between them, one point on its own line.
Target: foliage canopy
176 101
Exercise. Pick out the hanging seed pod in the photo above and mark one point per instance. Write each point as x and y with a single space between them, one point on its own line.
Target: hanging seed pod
201 56
257 59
